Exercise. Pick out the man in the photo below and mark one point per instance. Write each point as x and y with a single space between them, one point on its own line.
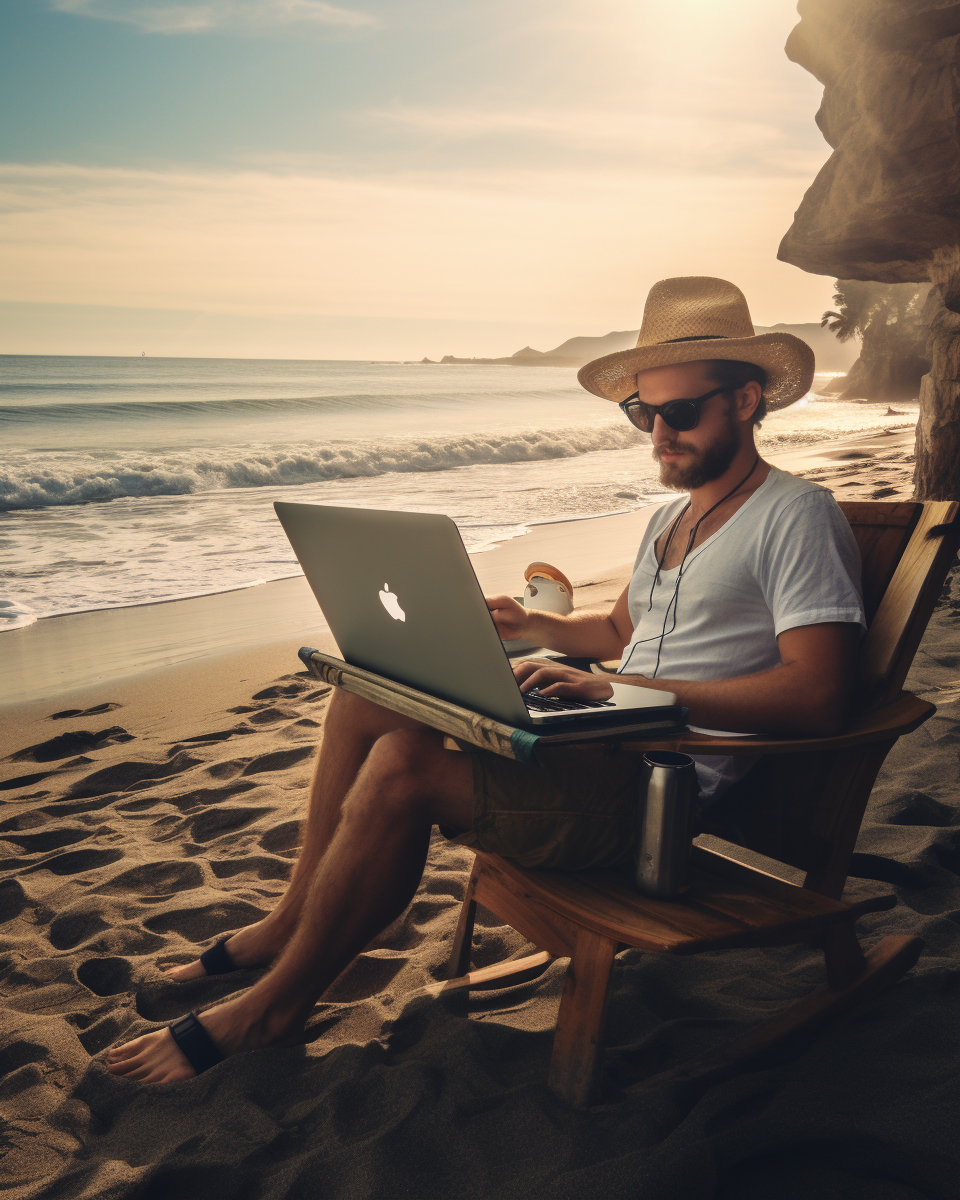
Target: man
744 602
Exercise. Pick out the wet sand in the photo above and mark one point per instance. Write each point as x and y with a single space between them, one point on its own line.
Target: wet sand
145 816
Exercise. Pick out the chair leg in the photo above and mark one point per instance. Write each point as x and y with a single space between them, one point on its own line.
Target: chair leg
578 1042
459 963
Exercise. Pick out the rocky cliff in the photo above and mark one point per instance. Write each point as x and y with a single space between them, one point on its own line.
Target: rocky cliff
887 199
886 205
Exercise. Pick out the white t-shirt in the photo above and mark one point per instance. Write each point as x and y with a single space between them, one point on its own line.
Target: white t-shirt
787 557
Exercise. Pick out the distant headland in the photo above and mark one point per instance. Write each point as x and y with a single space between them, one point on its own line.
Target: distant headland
574 352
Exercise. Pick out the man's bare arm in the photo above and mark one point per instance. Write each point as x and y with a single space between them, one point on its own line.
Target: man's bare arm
579 635
810 693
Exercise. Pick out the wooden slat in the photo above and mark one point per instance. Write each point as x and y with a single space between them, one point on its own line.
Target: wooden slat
715 913
900 514
503 889
882 532
748 876
893 636
505 972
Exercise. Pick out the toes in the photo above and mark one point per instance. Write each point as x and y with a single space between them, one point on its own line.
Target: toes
128 1050
126 1066
141 1073
153 1058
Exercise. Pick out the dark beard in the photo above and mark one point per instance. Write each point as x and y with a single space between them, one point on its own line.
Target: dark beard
706 465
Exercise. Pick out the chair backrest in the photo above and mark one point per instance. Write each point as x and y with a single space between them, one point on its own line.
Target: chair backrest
904 565
805 809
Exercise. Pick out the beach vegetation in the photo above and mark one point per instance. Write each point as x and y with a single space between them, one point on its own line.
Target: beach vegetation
887 320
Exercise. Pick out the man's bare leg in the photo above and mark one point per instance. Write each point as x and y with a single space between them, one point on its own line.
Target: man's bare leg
367 878
350 728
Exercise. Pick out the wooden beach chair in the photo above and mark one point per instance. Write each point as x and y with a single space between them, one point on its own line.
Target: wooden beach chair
801 805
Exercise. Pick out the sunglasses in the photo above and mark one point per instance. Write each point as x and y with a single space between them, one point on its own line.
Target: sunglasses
680 415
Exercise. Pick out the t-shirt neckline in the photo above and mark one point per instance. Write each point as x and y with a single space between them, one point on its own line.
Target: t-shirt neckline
729 521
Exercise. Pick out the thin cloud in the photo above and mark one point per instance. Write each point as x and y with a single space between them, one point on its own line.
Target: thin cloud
661 141
235 15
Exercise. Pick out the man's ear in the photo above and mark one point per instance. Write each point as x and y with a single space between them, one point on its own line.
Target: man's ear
746 400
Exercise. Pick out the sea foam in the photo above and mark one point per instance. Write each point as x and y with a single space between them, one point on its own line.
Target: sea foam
64 478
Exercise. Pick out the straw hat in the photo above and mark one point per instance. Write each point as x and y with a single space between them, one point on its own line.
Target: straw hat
696 317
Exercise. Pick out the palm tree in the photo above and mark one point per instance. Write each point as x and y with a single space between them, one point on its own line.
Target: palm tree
887 319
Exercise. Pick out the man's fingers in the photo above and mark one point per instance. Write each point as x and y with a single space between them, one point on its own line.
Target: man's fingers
561 682
523 670
561 688
536 676
579 690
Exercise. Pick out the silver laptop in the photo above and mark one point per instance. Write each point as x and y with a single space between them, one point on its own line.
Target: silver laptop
401 598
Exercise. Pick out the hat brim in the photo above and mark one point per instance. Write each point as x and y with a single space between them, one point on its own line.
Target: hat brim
788 361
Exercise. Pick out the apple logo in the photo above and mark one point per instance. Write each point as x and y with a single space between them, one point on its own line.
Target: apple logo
392 604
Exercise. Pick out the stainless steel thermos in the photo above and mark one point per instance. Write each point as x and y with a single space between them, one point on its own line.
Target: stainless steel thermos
668 792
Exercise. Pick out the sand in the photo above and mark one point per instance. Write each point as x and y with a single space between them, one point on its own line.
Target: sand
151 813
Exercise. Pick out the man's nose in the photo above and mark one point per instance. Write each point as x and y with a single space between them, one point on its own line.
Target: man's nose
661 431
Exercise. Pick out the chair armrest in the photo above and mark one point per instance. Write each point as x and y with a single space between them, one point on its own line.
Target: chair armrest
901 716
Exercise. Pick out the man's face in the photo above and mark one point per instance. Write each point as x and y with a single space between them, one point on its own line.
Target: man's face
698 456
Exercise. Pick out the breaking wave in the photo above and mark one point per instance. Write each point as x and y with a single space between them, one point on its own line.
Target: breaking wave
79 478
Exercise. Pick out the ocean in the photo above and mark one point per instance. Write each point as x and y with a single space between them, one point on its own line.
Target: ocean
129 481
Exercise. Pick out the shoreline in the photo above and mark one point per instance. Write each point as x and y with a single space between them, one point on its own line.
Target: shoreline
73 657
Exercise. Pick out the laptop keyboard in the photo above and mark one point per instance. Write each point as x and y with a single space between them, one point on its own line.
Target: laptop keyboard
537 703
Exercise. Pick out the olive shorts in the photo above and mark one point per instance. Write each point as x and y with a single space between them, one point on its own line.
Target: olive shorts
576 810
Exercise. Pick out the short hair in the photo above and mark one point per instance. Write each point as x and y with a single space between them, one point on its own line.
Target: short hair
729 373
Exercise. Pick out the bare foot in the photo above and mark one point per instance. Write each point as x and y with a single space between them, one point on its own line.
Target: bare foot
153 1058
256 946
156 1057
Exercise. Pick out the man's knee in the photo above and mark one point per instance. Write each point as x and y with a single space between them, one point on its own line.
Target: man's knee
398 773
404 756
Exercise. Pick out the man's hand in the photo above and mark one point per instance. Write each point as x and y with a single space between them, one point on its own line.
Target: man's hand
510 618
565 683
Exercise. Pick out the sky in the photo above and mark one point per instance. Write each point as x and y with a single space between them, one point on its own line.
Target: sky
296 178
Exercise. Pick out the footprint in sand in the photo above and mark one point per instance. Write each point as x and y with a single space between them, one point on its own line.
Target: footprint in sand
164 878
218 821
257 865
109 706
199 924
221 735
105 976
52 839
72 928
278 760
13 900
123 776
282 689
282 839
75 861
68 744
